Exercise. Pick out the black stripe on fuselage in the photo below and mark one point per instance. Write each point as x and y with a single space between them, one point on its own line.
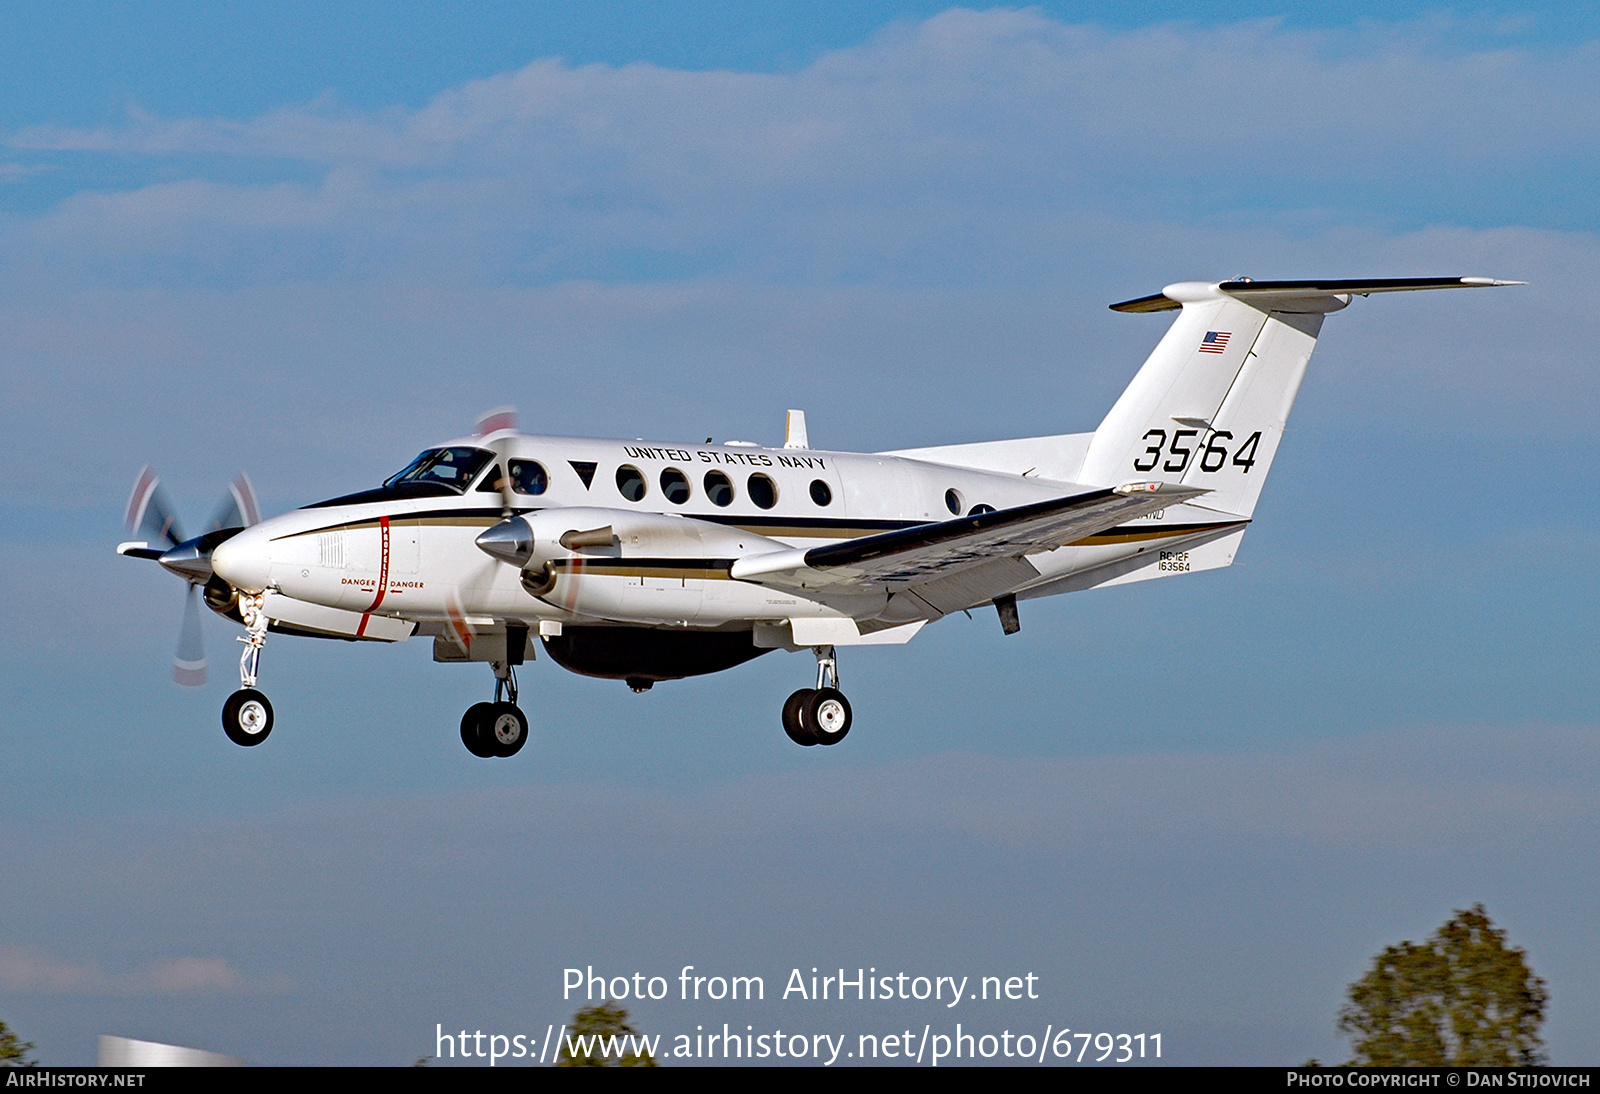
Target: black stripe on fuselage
797 527
839 528
433 518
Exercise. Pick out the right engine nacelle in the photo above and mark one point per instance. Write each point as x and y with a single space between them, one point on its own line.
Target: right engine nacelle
651 568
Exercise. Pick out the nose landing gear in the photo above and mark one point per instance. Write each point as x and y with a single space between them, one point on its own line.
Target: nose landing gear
247 715
819 715
498 728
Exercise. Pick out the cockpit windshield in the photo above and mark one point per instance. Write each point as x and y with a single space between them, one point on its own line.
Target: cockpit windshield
452 467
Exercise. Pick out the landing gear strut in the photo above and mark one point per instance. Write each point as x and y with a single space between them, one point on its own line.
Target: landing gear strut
498 728
247 715
819 715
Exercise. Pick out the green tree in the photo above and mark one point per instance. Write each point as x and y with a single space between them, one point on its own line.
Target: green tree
594 1028
13 1049
1462 998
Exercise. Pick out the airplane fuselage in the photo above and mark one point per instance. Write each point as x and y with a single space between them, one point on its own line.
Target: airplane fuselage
680 514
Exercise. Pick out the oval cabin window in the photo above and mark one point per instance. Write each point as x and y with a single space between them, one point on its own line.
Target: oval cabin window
675 486
718 488
763 491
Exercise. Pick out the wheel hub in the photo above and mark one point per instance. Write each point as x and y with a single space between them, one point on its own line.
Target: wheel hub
252 717
507 729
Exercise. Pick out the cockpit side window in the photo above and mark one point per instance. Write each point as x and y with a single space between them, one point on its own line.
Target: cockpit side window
452 467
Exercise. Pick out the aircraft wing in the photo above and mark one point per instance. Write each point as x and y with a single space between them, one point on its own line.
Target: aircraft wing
913 556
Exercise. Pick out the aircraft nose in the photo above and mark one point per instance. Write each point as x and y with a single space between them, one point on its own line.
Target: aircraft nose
245 561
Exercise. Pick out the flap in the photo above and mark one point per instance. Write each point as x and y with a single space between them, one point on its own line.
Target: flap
910 556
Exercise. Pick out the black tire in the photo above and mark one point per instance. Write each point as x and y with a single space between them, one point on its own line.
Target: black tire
827 714
794 721
247 717
474 730
505 729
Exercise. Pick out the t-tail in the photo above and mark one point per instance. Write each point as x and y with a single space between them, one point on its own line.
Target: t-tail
1210 404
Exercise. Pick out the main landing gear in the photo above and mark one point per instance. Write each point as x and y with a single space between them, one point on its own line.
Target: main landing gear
247 716
498 728
819 715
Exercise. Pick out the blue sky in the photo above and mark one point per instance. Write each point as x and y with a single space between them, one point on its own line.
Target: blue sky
308 245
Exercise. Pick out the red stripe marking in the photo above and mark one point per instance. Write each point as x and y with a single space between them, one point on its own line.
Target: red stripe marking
383 565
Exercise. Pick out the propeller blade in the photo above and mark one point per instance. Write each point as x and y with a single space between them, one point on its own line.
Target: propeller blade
460 631
150 514
189 666
493 421
238 509
502 419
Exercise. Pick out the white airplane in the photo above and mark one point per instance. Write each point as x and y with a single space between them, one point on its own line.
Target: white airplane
645 562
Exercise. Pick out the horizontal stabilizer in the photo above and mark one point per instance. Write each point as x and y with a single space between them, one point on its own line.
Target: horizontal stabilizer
1286 292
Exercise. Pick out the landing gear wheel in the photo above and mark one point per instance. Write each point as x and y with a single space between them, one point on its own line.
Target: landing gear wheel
475 730
793 722
505 729
247 717
826 713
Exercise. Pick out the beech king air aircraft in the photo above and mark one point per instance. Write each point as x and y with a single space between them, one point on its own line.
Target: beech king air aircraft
647 562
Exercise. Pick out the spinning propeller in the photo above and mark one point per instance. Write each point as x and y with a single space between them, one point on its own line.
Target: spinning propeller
154 523
502 419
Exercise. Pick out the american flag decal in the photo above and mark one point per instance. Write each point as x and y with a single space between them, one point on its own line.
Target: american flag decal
1215 341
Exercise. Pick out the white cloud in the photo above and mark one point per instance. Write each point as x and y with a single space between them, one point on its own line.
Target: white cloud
34 971
16 172
944 149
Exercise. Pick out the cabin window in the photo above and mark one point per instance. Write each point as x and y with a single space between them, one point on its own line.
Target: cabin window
718 488
821 492
952 501
675 486
763 491
630 483
529 477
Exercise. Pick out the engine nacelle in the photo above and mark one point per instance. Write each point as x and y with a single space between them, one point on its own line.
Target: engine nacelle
626 566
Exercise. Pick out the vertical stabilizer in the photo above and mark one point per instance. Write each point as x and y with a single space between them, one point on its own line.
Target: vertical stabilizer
1209 406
